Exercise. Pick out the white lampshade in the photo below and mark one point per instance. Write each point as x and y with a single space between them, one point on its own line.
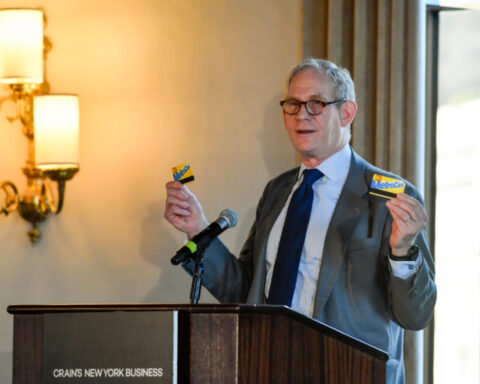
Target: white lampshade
21 46
56 123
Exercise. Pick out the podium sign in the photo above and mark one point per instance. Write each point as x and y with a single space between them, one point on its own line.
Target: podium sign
110 347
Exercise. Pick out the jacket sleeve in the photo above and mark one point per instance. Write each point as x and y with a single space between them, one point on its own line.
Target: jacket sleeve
227 277
411 300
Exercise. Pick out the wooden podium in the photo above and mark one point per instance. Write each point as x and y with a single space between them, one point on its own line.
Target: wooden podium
225 344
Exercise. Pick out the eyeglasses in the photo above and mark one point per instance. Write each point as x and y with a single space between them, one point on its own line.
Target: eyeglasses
313 107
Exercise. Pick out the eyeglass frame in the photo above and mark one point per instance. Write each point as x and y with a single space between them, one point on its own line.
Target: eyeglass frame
300 103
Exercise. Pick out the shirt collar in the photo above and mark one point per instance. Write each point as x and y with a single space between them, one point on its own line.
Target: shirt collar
336 166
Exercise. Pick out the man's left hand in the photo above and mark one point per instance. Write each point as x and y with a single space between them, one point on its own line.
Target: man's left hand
409 219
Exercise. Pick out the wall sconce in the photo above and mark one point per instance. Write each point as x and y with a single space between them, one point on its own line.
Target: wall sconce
49 121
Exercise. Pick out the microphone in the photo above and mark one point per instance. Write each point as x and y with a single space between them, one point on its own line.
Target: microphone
227 219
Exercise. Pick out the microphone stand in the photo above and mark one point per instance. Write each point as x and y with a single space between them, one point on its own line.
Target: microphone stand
197 278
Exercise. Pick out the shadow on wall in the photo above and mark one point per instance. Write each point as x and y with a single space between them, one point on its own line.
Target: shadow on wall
173 284
6 367
279 157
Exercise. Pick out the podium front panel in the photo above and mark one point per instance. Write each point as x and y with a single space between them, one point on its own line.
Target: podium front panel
222 344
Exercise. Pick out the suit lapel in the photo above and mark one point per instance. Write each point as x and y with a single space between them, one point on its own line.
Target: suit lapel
278 202
351 203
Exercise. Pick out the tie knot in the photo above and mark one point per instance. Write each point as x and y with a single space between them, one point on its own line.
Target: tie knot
311 175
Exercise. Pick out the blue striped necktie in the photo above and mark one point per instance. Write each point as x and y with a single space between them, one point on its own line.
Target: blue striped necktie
284 277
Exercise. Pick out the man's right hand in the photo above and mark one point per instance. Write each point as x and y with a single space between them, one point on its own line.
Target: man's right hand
183 210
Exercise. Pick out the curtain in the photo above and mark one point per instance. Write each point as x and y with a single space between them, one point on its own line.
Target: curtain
382 43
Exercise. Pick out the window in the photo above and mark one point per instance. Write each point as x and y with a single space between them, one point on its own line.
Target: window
456 207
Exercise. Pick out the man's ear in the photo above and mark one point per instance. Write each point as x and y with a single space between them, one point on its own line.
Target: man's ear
347 112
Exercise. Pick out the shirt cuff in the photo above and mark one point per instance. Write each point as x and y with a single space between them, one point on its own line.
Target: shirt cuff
405 269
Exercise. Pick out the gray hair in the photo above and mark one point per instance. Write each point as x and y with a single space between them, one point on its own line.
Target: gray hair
340 77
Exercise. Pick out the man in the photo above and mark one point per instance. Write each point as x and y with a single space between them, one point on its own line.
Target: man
364 266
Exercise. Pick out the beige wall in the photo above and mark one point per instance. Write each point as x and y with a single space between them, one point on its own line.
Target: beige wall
160 82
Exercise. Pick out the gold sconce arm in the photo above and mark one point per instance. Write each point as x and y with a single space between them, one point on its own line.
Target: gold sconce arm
11 197
61 176
37 202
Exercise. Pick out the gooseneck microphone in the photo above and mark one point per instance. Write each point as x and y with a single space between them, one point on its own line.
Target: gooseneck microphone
227 219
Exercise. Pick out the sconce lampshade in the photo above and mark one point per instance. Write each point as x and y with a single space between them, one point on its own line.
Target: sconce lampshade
56 125
21 46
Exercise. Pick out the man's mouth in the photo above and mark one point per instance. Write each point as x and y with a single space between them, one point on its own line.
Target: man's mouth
305 131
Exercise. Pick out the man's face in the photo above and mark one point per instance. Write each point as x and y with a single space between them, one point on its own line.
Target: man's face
315 137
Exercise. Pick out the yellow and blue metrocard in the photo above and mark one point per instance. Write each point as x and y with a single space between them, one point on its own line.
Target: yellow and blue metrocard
385 186
183 173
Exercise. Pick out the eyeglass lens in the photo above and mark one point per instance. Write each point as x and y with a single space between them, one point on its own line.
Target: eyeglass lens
292 107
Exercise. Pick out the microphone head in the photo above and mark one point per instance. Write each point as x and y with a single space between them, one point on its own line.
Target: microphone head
230 216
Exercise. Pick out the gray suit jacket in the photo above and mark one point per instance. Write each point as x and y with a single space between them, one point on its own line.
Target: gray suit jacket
356 292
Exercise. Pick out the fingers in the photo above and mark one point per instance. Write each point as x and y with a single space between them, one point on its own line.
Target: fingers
416 209
408 210
176 189
177 200
174 209
183 210
404 227
409 219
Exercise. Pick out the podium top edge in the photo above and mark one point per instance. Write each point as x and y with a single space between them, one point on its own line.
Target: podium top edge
47 308
18 309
